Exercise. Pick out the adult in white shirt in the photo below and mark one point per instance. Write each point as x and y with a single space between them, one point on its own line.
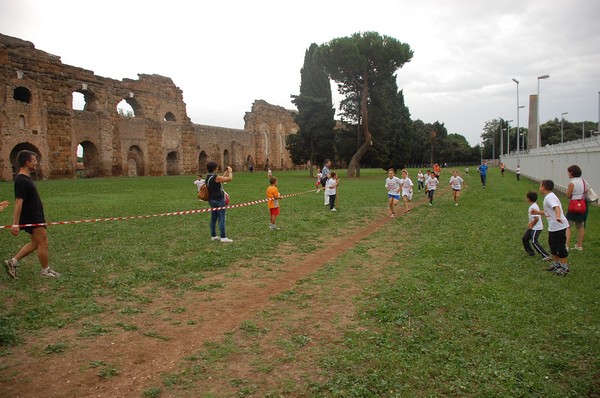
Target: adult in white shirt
575 191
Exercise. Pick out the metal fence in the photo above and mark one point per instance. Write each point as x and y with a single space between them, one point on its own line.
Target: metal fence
551 162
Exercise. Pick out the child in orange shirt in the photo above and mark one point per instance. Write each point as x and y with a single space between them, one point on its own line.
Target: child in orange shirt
273 197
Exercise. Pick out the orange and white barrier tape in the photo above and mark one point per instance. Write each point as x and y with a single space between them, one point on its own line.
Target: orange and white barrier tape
175 213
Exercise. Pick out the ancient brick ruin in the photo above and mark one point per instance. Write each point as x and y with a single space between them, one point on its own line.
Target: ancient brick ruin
36 113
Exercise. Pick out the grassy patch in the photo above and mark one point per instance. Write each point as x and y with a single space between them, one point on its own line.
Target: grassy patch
457 309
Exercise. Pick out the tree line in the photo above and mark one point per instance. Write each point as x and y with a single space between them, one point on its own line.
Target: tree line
375 128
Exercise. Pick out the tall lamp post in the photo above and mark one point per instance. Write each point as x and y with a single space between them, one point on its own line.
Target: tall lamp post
518 129
562 119
538 130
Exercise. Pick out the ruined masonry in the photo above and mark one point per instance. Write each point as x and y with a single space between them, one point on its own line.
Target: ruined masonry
36 113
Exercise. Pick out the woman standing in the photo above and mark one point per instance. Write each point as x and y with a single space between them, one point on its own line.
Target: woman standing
575 191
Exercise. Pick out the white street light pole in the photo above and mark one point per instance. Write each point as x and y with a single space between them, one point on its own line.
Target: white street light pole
538 129
562 119
518 129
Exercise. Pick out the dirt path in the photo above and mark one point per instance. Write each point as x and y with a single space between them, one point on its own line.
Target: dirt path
141 360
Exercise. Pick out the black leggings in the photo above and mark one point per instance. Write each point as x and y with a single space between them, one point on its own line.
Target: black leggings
430 195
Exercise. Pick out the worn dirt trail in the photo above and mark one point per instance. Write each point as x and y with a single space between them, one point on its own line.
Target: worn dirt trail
141 360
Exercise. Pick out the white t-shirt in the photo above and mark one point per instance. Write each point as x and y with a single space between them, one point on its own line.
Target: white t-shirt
420 177
577 188
393 185
432 183
456 182
330 187
199 183
406 184
539 225
550 202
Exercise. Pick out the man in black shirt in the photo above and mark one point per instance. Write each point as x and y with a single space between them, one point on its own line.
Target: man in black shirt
29 216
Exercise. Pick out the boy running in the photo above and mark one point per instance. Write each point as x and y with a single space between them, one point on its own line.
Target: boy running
534 228
557 228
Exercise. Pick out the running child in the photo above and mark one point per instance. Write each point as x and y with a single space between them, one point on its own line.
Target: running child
199 182
319 178
534 227
457 183
432 184
557 228
273 197
420 180
392 184
407 189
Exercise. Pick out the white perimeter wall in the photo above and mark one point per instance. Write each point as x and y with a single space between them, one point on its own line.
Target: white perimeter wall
551 162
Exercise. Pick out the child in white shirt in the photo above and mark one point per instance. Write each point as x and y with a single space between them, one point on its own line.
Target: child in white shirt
534 227
331 190
432 184
392 184
407 189
456 182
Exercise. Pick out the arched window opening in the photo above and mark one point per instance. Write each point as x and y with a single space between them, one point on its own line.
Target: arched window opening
135 161
202 160
22 94
21 121
124 108
173 164
88 160
84 100
170 117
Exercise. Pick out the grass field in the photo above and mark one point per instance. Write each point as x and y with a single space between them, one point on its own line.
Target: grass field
440 302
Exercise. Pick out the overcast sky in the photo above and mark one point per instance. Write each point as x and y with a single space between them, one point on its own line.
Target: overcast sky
226 54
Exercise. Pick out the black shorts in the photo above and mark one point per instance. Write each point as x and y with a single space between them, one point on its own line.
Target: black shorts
557 240
29 230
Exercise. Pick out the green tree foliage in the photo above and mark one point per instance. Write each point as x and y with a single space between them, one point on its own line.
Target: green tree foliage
358 63
314 141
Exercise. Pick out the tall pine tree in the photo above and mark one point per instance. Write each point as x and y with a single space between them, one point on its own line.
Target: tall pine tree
313 143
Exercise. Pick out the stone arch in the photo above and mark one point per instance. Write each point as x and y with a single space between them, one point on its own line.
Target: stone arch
226 159
90 164
250 162
22 94
202 160
170 117
129 107
135 161
172 163
84 100
37 174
